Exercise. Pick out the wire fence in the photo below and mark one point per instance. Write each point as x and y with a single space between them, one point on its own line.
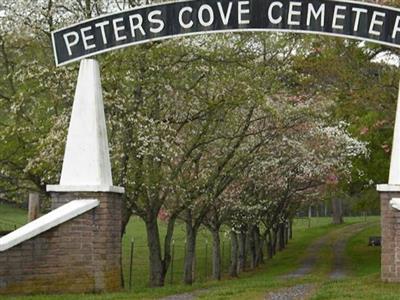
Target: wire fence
136 255
136 266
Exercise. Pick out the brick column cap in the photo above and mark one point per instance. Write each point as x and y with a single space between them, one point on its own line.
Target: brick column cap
388 188
85 188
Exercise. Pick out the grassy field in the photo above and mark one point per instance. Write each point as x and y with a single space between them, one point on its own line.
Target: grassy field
365 280
11 217
363 262
136 232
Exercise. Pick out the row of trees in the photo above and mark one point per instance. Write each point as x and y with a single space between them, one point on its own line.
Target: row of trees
233 130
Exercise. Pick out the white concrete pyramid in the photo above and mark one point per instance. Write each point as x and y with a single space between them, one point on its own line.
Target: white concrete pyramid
86 165
394 174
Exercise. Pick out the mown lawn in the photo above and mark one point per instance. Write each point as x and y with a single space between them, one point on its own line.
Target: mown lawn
136 232
252 284
365 281
11 217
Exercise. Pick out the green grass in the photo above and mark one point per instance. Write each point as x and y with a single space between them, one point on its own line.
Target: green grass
256 285
11 217
365 283
136 231
365 260
250 285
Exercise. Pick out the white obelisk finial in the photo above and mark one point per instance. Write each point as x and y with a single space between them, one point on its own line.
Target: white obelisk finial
394 174
86 165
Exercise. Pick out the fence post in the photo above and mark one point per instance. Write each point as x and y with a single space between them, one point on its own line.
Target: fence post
172 262
223 256
206 260
33 206
229 254
130 265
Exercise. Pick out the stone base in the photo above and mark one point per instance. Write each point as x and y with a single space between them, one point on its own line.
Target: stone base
79 256
390 231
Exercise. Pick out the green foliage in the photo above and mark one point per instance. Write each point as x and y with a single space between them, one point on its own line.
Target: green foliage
235 129
365 92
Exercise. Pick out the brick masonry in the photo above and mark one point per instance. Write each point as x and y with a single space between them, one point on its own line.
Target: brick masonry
78 256
390 227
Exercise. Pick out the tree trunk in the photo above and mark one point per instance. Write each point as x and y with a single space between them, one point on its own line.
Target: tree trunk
337 214
242 252
274 240
156 275
216 254
286 232
167 245
233 269
270 245
251 246
88 9
125 217
281 234
259 246
188 276
290 228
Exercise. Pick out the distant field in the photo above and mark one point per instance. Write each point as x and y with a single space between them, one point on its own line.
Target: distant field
11 217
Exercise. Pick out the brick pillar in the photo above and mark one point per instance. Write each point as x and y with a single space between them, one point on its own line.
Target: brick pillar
105 237
86 174
390 231
390 211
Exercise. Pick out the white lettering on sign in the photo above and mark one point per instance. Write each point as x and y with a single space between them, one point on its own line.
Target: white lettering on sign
181 12
70 43
225 15
396 28
243 11
338 16
160 23
376 22
358 12
210 15
87 37
138 25
293 12
316 14
102 25
270 13
118 28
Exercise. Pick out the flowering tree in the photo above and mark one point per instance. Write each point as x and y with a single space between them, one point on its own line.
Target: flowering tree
282 174
214 130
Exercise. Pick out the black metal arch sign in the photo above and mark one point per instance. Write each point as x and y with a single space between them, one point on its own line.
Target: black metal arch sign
351 19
